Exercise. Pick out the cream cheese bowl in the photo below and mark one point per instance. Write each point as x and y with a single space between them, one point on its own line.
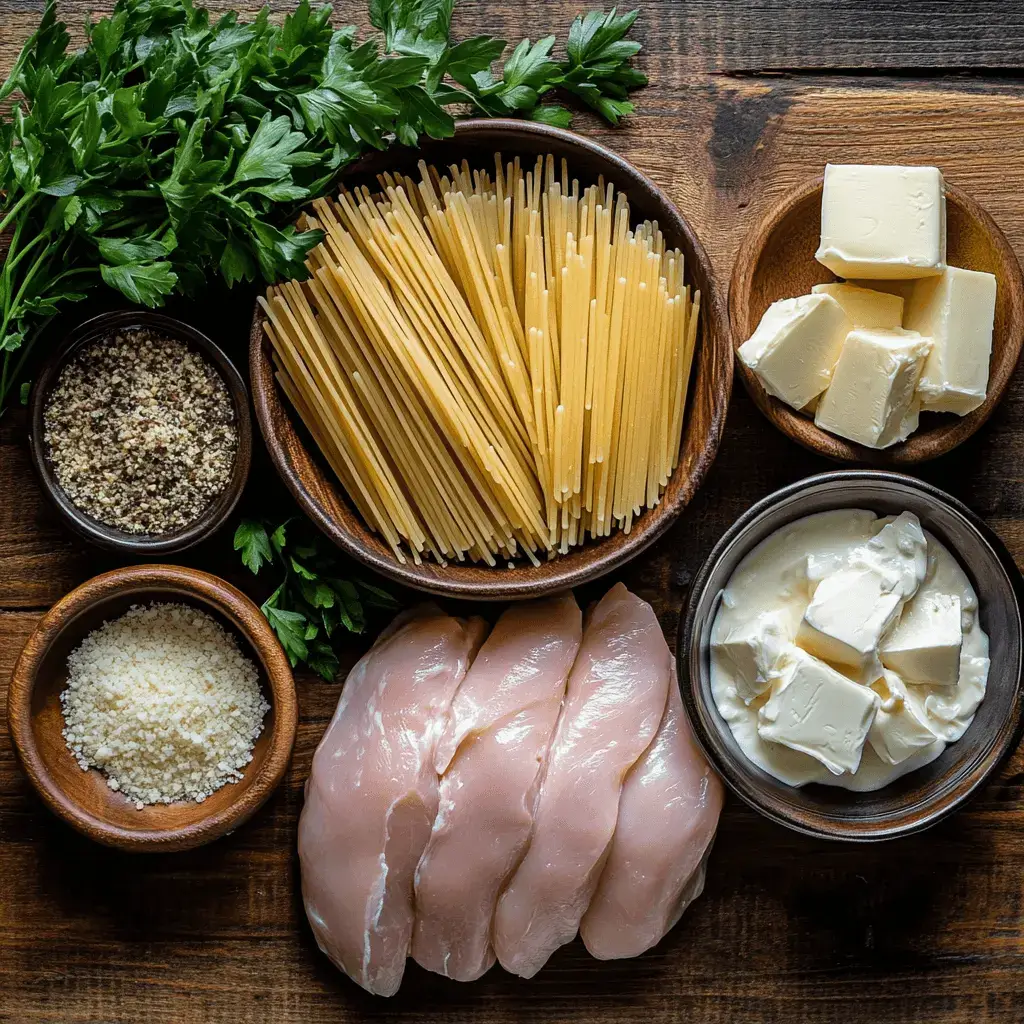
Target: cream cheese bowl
924 796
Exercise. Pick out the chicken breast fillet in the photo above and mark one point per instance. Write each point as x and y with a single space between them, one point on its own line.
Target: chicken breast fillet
371 797
492 755
614 703
668 814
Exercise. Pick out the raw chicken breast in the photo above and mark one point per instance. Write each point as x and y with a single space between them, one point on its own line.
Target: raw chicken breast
668 814
614 703
492 754
372 794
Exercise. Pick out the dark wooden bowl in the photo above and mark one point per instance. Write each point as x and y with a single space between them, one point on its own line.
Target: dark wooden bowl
82 798
322 498
139 545
777 262
920 798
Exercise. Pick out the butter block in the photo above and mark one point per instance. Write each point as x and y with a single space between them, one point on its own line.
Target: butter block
924 646
817 711
795 347
900 288
899 730
957 311
883 222
755 652
865 307
844 622
871 397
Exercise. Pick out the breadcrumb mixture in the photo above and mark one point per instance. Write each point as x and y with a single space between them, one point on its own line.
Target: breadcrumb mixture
141 432
164 703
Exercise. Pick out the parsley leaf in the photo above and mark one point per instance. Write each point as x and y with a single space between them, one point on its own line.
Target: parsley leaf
252 540
175 146
147 284
313 600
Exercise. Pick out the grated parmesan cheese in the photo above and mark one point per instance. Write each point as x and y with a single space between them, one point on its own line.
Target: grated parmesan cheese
164 703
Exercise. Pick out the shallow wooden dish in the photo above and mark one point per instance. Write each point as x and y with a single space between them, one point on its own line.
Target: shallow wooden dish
92 530
777 262
920 798
323 499
82 798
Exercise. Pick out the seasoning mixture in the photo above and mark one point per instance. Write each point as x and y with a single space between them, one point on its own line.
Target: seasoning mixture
164 703
141 432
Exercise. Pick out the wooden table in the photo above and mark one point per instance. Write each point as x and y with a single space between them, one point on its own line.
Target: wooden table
747 99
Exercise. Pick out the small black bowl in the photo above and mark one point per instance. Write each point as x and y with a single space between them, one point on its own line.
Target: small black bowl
143 545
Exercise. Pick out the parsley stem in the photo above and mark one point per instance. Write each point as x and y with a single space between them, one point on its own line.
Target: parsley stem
15 210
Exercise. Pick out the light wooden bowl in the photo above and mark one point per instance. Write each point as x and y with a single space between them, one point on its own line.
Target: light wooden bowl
323 499
82 798
777 262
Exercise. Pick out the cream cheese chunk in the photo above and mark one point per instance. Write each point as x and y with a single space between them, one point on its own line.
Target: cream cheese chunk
882 222
756 650
924 647
871 397
898 731
846 618
898 553
816 711
865 307
957 311
795 347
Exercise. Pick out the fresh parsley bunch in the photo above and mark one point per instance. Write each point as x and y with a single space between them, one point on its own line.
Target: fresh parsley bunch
172 149
312 602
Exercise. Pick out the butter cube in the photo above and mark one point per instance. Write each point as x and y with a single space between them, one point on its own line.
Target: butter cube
871 397
865 307
902 289
957 311
883 222
924 646
795 346
755 652
899 730
846 618
817 711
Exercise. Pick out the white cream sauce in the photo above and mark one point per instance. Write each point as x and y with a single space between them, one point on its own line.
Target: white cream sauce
774 577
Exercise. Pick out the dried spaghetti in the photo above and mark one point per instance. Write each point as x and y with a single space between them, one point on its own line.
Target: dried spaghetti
492 365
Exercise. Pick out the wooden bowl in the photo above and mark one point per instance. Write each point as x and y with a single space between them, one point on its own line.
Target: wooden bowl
322 498
139 545
777 262
920 798
82 798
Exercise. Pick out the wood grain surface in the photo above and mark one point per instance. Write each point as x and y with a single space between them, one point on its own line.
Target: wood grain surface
748 100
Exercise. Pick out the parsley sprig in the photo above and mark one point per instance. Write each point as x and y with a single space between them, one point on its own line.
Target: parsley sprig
313 602
172 149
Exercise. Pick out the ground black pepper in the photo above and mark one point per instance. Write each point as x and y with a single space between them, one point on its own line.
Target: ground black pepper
141 432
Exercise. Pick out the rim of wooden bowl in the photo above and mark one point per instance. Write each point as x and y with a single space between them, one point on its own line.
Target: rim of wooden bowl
217 512
167 581
924 444
324 501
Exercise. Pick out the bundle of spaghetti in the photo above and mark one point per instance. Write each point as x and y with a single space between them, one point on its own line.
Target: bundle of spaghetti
493 364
